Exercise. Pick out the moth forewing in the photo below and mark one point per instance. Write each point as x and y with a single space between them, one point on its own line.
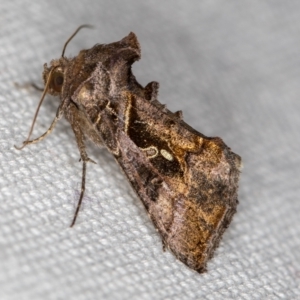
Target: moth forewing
187 181
189 186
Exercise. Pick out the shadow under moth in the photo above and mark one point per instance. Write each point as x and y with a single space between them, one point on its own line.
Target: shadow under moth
188 182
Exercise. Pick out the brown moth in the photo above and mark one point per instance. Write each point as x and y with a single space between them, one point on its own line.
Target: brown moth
188 182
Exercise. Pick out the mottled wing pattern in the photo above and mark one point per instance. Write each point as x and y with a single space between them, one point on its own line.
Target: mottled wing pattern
187 182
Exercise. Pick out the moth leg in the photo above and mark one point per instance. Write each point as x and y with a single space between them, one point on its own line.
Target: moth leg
44 134
29 85
84 158
57 118
81 193
80 138
36 87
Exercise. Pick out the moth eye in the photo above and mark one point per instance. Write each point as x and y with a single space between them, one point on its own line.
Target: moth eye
57 82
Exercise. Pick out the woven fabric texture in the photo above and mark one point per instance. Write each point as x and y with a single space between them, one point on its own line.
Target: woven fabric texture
233 67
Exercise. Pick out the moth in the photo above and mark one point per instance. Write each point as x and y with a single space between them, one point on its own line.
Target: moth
188 182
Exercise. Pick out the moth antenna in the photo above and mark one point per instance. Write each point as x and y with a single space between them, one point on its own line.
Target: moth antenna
70 38
37 110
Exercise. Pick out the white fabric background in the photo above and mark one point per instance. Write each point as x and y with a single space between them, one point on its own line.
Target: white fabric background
233 67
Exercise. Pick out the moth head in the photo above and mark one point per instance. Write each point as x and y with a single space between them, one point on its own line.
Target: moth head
54 81
54 77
